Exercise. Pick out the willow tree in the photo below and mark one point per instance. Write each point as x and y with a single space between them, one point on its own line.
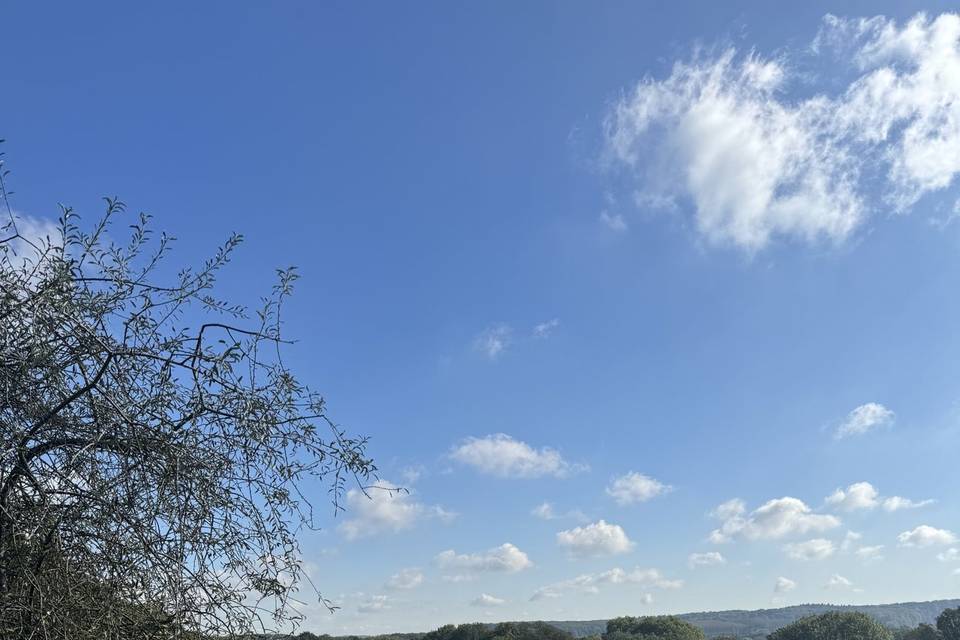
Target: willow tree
153 444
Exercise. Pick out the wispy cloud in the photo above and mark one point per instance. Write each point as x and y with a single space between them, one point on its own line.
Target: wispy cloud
382 509
614 221
815 549
405 580
494 341
708 559
865 418
546 329
486 600
591 583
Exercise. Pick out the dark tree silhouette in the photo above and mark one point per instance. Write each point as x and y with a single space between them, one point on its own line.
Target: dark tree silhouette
152 441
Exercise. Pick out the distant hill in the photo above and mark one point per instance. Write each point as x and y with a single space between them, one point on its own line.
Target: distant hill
757 624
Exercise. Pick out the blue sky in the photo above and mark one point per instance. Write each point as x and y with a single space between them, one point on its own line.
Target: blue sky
687 276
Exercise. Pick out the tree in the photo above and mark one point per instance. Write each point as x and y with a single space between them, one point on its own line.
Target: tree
923 632
833 625
651 628
948 624
153 443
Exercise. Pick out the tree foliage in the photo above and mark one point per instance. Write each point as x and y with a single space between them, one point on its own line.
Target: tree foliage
153 443
833 625
948 624
651 628
502 631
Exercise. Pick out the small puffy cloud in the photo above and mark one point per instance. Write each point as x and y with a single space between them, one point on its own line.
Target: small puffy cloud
896 503
865 418
861 495
815 549
926 536
614 221
506 558
837 581
775 519
596 539
710 558
545 329
591 582
502 456
405 579
486 600
374 604
383 509
783 585
635 487
494 341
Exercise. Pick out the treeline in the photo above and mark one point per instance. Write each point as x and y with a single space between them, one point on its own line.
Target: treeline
833 625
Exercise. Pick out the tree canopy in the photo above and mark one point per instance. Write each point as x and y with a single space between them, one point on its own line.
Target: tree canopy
833 625
948 624
651 628
153 442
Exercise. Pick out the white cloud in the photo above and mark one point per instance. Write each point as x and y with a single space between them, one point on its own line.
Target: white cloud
849 539
757 165
636 487
614 222
863 419
545 329
950 555
775 519
502 456
412 474
926 536
837 581
405 579
896 503
374 604
544 511
494 341
707 559
506 558
861 495
385 510
870 553
596 539
35 235
729 509
591 582
815 549
784 585
486 600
